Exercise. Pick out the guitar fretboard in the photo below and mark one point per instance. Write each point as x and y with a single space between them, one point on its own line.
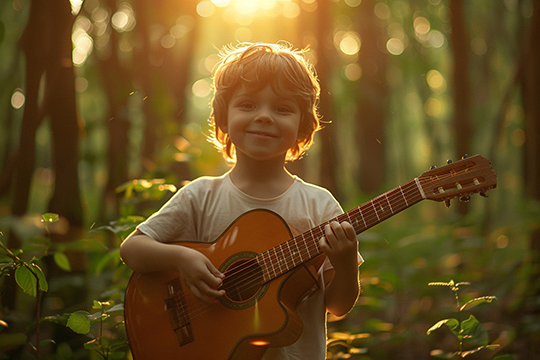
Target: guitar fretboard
304 247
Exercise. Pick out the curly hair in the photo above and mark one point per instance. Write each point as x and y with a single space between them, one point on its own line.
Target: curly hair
255 66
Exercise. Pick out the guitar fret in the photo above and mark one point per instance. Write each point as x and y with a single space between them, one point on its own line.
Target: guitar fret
307 246
374 208
278 261
264 266
403 194
390 205
286 256
273 260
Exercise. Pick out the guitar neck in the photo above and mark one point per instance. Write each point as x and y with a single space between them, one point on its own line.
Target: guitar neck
304 247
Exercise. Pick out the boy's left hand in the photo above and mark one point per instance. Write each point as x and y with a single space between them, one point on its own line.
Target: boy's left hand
340 245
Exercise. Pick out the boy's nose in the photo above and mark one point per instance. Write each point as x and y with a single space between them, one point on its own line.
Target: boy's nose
263 116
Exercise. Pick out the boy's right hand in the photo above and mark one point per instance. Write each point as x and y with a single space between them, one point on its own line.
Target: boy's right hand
200 275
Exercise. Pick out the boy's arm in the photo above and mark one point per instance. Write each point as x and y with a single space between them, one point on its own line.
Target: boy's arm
145 254
341 247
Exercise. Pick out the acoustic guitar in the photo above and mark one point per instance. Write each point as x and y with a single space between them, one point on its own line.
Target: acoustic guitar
265 278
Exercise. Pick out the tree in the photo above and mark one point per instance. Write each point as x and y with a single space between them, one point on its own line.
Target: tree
461 84
372 94
46 43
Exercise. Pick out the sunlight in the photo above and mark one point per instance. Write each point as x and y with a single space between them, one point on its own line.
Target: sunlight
201 88
350 43
353 72
76 6
124 18
436 81
17 99
83 45
205 9
395 46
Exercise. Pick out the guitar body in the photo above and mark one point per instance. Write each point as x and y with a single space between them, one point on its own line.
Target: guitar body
165 321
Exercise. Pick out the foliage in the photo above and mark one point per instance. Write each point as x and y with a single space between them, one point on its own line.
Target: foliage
468 332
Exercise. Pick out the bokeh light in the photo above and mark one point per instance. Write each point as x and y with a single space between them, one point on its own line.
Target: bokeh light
17 99
436 81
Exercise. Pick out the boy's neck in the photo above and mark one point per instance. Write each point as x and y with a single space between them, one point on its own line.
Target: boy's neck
261 180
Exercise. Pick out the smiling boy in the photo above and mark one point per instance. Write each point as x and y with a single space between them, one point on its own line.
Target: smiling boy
264 113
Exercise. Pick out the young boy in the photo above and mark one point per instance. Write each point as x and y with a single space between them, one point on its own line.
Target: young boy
264 113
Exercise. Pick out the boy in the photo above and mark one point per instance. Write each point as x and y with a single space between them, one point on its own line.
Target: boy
264 113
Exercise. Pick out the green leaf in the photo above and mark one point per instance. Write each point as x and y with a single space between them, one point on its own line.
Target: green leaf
79 322
27 277
117 355
50 217
43 284
477 301
46 342
473 332
62 261
93 345
112 257
504 357
57 319
123 227
452 324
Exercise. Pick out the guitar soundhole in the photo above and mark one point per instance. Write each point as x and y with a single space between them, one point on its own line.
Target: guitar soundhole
243 279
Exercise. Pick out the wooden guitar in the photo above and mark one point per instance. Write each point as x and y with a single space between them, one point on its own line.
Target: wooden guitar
265 278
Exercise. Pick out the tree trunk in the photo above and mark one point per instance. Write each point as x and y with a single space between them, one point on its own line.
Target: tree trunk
61 106
531 93
372 94
461 85
327 136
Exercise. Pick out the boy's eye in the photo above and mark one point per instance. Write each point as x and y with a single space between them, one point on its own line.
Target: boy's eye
283 109
246 105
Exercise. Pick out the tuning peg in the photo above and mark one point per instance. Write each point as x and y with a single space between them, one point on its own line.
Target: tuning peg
447 203
465 156
448 161
483 194
433 167
465 198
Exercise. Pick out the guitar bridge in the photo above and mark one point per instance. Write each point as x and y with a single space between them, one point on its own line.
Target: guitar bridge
178 312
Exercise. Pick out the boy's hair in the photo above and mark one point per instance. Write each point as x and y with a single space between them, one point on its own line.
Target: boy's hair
254 66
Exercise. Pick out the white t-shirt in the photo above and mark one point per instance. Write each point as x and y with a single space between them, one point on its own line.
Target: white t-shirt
202 211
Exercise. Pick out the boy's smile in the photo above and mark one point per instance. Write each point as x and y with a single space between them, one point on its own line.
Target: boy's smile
262 125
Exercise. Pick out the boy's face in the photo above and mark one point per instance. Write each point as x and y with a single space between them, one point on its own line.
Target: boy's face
262 125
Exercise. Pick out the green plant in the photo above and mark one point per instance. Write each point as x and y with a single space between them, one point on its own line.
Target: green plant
470 333
30 277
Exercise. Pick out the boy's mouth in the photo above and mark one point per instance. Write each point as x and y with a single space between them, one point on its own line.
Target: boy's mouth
262 134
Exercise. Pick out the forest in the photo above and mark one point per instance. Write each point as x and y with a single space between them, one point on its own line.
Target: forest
104 108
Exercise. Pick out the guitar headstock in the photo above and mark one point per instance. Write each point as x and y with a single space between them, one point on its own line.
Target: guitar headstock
458 179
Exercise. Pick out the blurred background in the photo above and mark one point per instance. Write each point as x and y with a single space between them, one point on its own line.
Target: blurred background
104 107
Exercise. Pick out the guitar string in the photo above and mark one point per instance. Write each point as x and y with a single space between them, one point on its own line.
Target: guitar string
276 266
318 231
254 276
312 242
251 277
394 192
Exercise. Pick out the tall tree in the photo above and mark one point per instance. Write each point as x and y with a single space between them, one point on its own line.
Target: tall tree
461 87
372 94
46 43
530 85
116 79
325 49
